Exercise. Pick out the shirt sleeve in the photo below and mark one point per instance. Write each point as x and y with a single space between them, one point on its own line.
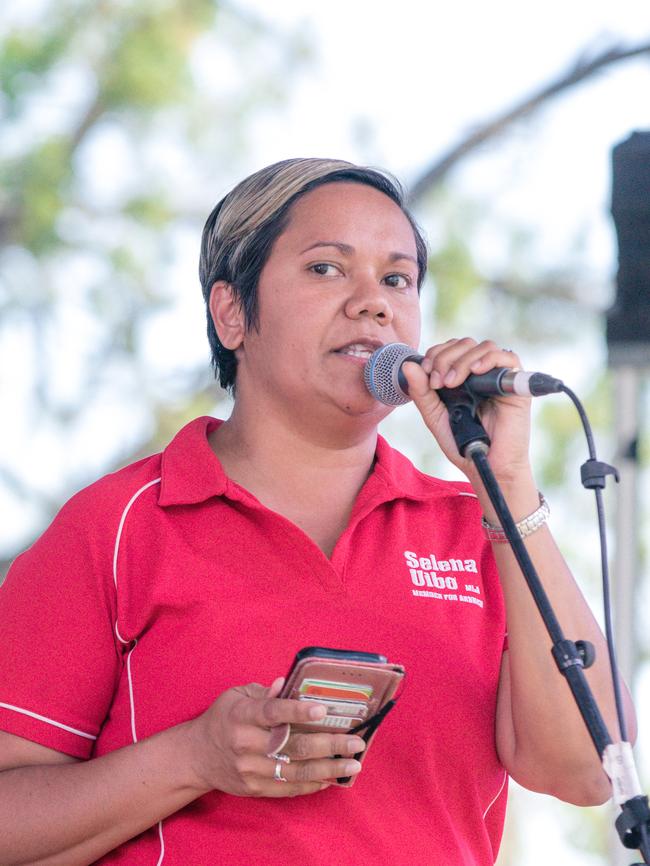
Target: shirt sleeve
60 659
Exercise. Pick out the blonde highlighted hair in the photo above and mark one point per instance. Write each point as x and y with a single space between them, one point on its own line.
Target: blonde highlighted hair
240 232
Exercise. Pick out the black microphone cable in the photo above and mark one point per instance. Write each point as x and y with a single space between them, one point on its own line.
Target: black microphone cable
593 476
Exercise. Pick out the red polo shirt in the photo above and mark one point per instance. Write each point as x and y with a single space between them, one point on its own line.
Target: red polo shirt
163 584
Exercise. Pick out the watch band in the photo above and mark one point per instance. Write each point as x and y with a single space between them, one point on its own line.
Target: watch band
525 527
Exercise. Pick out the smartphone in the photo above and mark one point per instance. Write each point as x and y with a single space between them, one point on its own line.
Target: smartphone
357 688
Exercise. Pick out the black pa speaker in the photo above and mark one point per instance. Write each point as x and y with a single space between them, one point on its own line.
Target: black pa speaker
628 321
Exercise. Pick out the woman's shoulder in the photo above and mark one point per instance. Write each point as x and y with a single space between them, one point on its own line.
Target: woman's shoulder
75 550
116 488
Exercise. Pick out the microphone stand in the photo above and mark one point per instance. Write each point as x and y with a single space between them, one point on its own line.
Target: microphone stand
571 657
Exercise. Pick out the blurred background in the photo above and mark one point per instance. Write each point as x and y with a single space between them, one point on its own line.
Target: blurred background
125 121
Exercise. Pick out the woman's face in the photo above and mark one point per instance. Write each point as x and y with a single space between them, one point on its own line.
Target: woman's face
341 280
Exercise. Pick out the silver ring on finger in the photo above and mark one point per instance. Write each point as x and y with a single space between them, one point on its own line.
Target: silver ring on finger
277 775
280 756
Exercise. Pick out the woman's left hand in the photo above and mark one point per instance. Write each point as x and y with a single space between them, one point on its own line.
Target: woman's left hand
506 419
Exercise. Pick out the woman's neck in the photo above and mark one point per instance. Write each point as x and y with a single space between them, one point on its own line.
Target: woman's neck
313 480
278 451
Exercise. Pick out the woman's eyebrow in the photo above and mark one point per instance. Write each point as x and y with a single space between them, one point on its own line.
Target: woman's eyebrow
348 250
394 257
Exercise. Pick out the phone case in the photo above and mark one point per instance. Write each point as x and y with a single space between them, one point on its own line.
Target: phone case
357 688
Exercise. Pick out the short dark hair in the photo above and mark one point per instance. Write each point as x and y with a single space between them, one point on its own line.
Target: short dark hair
240 232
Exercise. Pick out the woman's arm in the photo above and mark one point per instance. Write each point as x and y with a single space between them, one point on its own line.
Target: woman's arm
57 811
540 736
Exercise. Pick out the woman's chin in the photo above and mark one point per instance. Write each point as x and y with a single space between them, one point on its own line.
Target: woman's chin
364 406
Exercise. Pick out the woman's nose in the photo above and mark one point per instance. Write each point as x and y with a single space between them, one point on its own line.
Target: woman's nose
369 300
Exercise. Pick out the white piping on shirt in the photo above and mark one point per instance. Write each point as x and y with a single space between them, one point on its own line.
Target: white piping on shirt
162 844
47 721
131 698
119 536
497 795
135 642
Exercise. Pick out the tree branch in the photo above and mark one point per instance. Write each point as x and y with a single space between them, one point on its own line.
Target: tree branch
90 117
579 72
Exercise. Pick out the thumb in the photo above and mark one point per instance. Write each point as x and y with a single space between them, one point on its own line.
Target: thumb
417 378
260 693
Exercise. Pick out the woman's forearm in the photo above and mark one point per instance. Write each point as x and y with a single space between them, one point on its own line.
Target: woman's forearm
72 814
549 747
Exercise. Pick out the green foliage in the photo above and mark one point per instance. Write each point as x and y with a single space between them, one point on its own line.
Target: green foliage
456 277
153 210
559 418
36 188
148 67
92 228
26 55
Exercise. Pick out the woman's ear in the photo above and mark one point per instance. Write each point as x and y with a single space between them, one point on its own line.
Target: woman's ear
227 315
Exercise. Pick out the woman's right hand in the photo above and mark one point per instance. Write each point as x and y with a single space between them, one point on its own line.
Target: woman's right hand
234 741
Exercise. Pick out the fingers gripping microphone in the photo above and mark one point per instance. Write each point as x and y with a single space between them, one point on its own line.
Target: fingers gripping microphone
387 383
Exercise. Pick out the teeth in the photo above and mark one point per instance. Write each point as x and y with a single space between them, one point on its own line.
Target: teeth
357 350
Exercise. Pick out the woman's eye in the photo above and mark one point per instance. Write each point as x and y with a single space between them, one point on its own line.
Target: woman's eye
398 281
324 269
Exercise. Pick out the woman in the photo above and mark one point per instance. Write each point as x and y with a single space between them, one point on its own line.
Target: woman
160 591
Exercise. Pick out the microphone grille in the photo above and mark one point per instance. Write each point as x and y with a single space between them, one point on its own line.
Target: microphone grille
382 370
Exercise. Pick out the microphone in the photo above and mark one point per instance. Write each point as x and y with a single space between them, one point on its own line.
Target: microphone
387 383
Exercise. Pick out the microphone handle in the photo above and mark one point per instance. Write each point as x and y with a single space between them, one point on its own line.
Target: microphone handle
498 382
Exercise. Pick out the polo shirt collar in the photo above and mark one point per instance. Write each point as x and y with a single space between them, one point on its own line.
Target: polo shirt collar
192 473
404 481
190 470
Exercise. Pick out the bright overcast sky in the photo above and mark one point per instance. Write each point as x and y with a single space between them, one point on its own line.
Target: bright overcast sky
420 73
395 85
